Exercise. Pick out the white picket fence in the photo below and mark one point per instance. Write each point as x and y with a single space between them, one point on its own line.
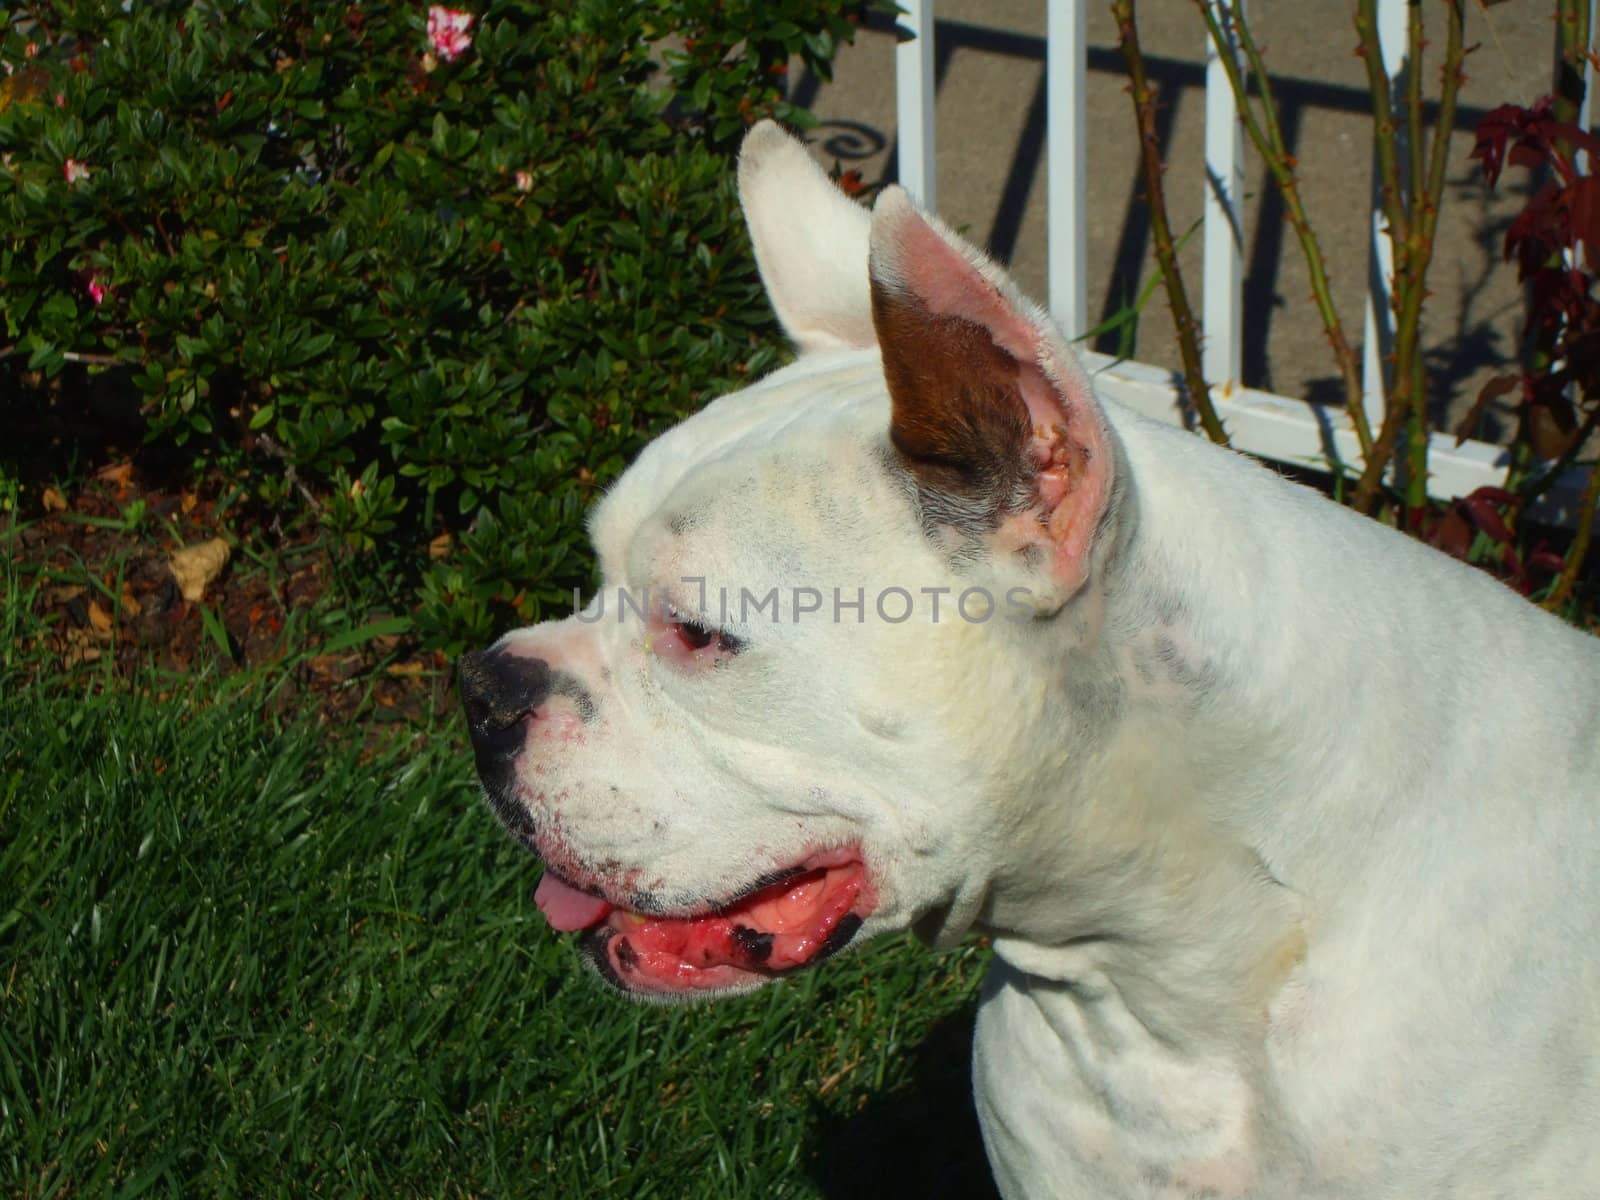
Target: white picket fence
1275 427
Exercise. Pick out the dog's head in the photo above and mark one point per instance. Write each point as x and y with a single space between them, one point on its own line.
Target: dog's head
817 693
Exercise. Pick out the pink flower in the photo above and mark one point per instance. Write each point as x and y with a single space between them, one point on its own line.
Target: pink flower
75 171
524 181
61 99
98 291
447 31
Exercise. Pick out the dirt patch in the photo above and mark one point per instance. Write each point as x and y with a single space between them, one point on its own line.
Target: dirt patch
97 569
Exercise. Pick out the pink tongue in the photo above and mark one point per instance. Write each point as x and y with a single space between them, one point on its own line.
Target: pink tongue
565 907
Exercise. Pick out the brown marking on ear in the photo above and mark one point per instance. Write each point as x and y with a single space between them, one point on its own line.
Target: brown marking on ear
992 419
959 420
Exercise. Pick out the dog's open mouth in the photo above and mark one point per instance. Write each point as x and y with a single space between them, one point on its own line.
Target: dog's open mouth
809 914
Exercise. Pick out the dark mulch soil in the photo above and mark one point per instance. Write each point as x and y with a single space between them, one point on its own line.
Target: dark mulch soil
106 595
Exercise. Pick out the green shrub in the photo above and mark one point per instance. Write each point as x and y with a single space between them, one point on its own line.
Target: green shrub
416 292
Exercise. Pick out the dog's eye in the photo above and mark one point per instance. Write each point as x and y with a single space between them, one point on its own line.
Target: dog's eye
695 636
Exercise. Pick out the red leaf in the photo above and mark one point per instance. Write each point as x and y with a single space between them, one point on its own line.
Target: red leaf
1481 508
1494 129
1583 199
1558 295
1581 139
1490 392
1526 154
1534 136
1539 231
1547 561
1551 424
1453 534
1498 495
1582 351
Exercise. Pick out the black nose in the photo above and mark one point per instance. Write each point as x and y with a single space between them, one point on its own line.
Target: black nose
498 689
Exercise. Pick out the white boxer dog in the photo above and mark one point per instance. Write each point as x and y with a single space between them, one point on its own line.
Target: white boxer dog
1285 827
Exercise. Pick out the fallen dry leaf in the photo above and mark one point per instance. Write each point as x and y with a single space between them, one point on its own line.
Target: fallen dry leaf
65 594
54 501
129 603
440 546
118 474
194 567
99 619
79 648
333 667
188 502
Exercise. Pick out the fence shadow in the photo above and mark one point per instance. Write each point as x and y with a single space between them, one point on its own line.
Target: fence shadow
1474 341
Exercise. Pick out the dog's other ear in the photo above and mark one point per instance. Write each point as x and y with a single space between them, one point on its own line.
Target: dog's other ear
992 414
810 241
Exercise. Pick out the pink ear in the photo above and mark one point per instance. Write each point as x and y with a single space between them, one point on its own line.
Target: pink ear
991 412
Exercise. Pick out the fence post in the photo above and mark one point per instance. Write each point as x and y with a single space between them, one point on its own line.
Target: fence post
1222 279
1378 339
1586 109
914 95
1066 64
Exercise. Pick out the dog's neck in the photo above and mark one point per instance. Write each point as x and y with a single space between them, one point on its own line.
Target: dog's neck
1186 700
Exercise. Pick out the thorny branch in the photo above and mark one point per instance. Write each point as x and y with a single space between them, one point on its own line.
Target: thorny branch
1411 232
1579 549
1267 136
1144 106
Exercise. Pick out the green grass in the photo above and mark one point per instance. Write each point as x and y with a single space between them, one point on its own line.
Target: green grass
241 955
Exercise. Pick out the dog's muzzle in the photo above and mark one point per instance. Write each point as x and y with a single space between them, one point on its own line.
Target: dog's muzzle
499 692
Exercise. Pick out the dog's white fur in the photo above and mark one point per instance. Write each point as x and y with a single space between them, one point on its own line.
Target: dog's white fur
1286 828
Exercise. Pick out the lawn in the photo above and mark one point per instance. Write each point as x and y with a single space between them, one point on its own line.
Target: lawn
243 953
